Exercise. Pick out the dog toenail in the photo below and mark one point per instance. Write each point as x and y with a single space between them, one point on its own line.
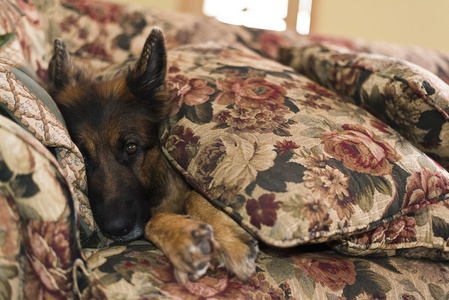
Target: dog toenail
205 247
207 230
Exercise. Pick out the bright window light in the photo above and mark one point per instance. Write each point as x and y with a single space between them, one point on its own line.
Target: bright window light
264 14
303 21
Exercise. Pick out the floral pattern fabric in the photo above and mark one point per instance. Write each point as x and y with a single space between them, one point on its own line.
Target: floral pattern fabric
38 241
22 99
407 97
140 271
434 61
22 18
422 233
260 106
290 160
100 33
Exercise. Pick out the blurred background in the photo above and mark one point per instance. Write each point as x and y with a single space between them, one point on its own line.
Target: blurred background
407 22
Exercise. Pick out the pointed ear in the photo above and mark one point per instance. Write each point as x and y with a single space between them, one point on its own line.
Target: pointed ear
147 80
62 71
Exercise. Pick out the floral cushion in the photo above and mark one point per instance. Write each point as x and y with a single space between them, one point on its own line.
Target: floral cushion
288 159
26 102
30 46
421 233
407 97
38 240
101 33
139 270
435 61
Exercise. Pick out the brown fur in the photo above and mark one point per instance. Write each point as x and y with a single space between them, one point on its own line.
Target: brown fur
133 190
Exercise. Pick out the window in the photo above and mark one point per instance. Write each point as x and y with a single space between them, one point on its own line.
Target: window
303 19
264 14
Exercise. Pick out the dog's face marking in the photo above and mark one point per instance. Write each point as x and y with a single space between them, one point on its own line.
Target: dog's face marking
115 124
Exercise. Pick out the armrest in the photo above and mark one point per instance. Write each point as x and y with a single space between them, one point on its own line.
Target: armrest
38 227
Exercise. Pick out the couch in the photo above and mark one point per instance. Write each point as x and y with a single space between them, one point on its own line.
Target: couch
331 151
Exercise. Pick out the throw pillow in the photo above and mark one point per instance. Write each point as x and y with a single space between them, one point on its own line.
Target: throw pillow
288 159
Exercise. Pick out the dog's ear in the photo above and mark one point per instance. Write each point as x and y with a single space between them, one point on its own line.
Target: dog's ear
146 80
62 71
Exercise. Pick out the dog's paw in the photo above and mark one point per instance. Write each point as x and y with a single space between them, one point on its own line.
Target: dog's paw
238 249
194 251
238 252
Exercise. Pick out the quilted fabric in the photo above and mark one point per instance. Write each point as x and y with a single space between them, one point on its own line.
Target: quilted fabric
287 158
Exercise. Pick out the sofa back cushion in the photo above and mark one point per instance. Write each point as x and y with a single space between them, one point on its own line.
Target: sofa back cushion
22 19
405 96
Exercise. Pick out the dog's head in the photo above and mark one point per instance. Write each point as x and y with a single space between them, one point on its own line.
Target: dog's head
114 123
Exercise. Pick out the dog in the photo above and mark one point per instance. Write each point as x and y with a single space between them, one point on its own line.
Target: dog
132 188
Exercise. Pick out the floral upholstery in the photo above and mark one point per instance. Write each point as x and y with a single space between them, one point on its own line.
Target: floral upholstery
407 97
290 160
434 61
263 142
26 102
38 241
139 270
23 19
422 233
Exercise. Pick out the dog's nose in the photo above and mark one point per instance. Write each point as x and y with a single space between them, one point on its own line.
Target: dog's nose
118 227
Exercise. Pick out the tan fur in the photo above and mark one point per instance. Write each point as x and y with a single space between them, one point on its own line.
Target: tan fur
236 244
178 237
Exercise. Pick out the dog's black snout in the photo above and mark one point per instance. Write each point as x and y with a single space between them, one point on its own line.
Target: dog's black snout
118 227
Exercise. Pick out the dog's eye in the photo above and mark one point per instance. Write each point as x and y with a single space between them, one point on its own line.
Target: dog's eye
131 148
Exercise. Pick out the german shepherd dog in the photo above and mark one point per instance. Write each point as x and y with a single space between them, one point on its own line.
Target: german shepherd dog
132 188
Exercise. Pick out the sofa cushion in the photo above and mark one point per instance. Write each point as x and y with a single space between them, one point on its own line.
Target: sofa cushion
435 61
23 100
421 233
22 19
288 159
405 96
105 33
139 270
38 233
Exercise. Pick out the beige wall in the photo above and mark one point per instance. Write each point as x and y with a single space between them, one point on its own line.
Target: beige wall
410 22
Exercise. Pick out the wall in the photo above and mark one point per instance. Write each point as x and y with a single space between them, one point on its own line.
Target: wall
409 22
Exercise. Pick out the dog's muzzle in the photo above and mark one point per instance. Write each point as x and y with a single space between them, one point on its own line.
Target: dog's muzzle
120 231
